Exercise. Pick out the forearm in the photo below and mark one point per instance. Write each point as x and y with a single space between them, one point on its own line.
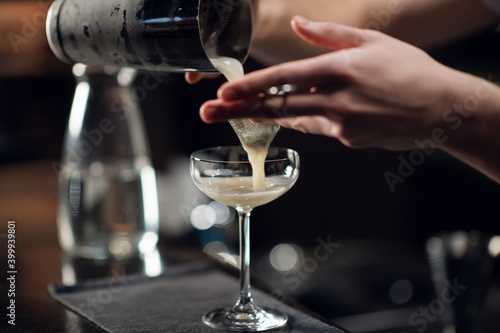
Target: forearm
274 40
424 23
473 127
430 23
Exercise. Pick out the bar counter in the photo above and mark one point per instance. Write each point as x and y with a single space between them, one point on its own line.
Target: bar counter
28 198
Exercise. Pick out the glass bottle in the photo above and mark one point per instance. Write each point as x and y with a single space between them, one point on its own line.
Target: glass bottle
108 203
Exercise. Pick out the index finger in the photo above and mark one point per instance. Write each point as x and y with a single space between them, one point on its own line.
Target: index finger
302 74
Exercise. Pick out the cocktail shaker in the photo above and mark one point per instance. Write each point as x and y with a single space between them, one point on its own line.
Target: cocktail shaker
153 35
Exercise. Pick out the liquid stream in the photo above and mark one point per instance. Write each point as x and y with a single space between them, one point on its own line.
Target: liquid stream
255 138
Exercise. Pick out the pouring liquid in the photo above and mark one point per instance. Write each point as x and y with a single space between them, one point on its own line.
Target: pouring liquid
255 138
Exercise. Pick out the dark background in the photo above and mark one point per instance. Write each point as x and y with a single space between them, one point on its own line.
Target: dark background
341 192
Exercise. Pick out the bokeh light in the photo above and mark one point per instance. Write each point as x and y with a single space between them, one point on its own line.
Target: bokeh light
494 246
401 291
202 217
284 257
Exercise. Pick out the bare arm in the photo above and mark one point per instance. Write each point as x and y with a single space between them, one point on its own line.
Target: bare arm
472 124
424 23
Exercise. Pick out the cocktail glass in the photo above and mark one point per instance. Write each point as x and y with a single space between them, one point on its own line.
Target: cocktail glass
226 175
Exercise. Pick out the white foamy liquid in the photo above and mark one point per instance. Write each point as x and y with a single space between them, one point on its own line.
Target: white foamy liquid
240 192
232 69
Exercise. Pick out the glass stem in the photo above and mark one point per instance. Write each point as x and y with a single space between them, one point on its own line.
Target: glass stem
245 301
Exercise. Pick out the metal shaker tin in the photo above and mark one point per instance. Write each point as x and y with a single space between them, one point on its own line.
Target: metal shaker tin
154 35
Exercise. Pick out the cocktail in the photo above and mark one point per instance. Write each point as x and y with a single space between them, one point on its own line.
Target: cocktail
225 174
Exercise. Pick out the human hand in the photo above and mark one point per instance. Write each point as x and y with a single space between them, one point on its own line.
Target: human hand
195 77
375 92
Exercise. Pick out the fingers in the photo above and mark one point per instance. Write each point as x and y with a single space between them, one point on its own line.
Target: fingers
215 111
311 125
330 35
195 77
268 108
317 72
304 74
192 77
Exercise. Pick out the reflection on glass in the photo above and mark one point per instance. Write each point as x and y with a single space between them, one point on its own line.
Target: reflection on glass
75 270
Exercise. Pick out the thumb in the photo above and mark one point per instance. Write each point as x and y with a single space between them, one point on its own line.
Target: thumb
329 35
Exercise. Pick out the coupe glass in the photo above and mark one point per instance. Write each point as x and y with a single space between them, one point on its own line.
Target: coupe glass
225 175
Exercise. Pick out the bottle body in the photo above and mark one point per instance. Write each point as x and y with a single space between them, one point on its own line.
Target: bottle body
108 203
169 36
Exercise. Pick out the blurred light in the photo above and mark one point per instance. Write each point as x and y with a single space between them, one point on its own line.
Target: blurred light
283 257
78 109
400 291
125 76
233 260
148 242
220 251
68 274
434 246
273 90
152 263
215 247
96 168
494 246
79 69
218 172
223 215
202 217
458 244
120 248
150 198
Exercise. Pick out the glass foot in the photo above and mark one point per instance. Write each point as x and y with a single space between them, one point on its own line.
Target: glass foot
259 319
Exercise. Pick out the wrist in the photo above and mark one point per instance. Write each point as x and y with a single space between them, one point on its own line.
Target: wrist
473 127
475 103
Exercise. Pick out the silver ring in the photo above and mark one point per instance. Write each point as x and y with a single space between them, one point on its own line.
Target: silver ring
279 91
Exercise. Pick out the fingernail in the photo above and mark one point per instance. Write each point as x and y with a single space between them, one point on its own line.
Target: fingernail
207 113
302 21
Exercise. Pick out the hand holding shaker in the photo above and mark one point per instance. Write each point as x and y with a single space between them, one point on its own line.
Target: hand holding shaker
153 35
